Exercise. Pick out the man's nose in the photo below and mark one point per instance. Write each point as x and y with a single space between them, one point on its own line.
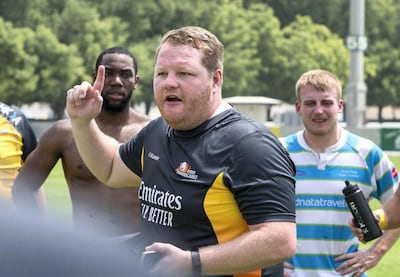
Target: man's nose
170 80
318 108
116 79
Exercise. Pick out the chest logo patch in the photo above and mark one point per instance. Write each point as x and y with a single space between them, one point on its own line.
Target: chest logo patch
184 170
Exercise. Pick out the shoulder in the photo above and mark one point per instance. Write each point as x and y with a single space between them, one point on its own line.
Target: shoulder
58 129
136 117
61 125
368 149
7 110
156 124
290 141
155 128
240 130
10 110
360 143
13 114
56 139
235 121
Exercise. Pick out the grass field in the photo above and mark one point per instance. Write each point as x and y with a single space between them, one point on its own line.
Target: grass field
59 206
57 195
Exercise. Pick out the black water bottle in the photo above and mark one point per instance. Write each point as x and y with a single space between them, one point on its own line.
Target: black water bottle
361 211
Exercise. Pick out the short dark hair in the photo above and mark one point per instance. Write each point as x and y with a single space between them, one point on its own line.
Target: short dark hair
117 50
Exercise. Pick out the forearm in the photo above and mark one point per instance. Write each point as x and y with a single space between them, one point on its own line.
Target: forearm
96 148
271 244
383 244
391 208
28 199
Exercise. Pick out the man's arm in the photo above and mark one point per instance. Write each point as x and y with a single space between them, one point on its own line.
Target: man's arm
365 259
384 243
391 211
98 151
262 246
387 216
27 190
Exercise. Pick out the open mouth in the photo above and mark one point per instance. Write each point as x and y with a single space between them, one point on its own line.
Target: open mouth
172 98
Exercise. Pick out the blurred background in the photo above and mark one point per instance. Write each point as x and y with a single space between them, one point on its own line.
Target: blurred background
47 46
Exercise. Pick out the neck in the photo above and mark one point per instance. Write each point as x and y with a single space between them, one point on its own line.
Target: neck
115 118
319 143
223 106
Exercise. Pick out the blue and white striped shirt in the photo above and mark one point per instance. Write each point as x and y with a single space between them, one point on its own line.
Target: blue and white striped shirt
322 214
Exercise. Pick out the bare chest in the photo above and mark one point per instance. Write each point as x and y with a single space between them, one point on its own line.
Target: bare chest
73 164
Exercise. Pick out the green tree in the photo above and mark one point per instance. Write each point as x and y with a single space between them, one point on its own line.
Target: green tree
59 67
35 66
383 54
241 65
269 39
381 28
139 15
144 53
31 13
267 47
17 66
333 14
81 25
16 11
306 46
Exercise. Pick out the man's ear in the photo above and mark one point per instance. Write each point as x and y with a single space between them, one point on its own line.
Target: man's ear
297 106
136 81
341 105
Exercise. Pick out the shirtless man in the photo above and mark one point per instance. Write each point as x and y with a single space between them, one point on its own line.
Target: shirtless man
108 211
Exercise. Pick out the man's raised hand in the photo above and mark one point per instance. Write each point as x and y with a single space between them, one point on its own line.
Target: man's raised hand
84 101
99 81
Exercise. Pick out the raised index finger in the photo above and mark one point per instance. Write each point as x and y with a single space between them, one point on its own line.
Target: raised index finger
99 81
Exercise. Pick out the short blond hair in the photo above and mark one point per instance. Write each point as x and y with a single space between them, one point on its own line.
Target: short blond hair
199 38
321 80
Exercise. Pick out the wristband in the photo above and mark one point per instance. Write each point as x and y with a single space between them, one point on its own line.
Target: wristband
382 218
196 263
